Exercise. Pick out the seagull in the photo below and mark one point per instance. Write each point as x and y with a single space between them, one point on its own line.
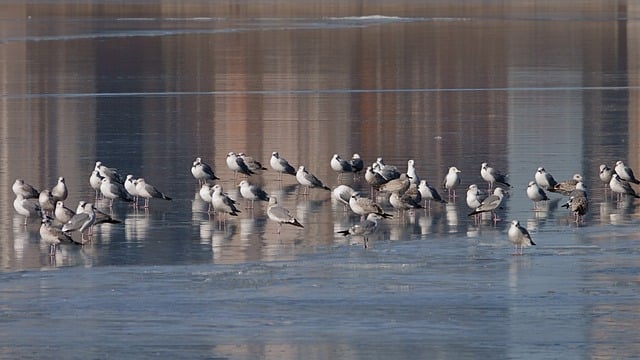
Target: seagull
474 196
388 172
340 165
403 202
205 194
342 194
625 172
95 180
373 178
357 164
101 217
114 190
428 192
148 191
365 206
451 180
281 165
411 172
490 204
280 214
82 221
605 174
400 184
566 187
621 187
237 165
493 176
51 235
27 207
59 191
252 193
518 235
22 188
544 179
202 171
46 201
252 164
111 173
536 194
578 204
221 202
309 180
364 228
130 186
63 213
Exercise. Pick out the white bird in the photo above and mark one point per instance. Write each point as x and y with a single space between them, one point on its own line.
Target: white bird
236 164
148 191
544 179
205 194
625 172
340 165
365 206
101 217
536 194
46 201
82 222
95 180
474 196
411 172
493 176
518 235
451 180
63 213
280 214
428 192
253 164
252 193
27 207
111 173
114 190
357 164
202 171
621 187
364 228
605 174
222 203
308 180
281 165
342 194
130 186
490 204
59 191
22 188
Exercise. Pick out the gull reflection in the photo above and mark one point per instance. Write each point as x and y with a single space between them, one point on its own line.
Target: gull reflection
452 217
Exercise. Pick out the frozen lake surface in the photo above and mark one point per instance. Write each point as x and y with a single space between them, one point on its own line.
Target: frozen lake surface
148 88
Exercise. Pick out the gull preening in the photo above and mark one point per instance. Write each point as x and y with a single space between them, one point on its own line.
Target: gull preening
280 214
342 194
519 236
364 228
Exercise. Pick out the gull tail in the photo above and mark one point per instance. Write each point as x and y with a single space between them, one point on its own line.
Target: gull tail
295 222
343 232
386 216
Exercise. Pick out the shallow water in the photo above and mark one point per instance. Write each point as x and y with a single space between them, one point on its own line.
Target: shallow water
148 87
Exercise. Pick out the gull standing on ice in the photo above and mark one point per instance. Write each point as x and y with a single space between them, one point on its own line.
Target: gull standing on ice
59 191
111 173
365 206
27 207
544 179
389 172
280 214
114 190
625 172
253 164
621 187
101 217
474 196
373 178
605 175
428 192
22 188
411 172
202 171
490 204
536 194
237 165
364 228
309 180
252 193
566 187
95 180
493 176
222 203
46 201
342 194
400 184
51 235
451 180
82 221
148 191
130 186
281 165
578 202
518 235
357 164
205 194
340 165
63 213
402 202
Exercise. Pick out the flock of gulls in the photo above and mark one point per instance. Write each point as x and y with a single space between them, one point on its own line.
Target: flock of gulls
405 191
